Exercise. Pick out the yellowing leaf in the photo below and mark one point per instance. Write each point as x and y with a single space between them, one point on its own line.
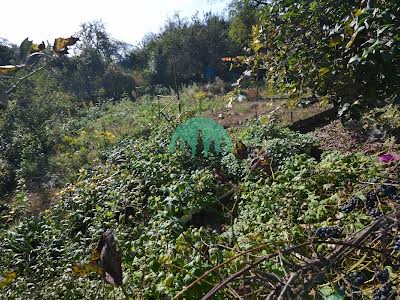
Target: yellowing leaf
95 256
240 150
10 69
61 44
324 101
350 43
257 46
292 101
358 12
264 120
353 38
85 269
7 279
255 30
37 48
323 71
348 30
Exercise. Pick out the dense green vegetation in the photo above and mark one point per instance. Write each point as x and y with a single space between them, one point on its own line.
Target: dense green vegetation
192 49
167 211
278 217
345 52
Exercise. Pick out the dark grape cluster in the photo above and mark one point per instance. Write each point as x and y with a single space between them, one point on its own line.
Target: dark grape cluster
390 191
374 212
328 232
370 200
382 275
358 278
351 205
385 292
397 244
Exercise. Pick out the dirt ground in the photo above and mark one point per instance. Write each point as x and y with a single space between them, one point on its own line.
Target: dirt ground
332 135
336 136
250 110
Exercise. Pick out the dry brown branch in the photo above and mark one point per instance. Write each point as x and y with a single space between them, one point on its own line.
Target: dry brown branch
323 264
247 268
292 277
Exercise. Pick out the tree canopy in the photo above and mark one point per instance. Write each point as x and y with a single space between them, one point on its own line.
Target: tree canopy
192 47
345 52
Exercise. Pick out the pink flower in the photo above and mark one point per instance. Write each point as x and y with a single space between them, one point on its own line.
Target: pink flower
389 157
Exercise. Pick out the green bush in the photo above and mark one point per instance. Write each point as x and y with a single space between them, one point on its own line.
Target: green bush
6 176
150 197
281 143
30 125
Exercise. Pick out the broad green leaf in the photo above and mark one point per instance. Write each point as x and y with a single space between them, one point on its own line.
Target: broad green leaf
354 59
329 293
381 30
314 6
343 109
24 50
354 36
169 280
348 31
334 41
371 49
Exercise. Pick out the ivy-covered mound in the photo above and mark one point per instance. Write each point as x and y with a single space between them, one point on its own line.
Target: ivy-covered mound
282 220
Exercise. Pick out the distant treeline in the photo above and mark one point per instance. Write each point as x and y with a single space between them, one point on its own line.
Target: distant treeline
185 51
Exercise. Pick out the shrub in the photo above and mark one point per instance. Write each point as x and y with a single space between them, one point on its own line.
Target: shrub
6 176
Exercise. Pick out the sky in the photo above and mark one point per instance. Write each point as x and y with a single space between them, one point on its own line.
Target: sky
125 20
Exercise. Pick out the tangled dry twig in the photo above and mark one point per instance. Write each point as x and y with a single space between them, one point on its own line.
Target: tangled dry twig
305 275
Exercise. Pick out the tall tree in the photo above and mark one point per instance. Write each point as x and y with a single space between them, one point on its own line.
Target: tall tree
7 53
95 73
243 15
193 48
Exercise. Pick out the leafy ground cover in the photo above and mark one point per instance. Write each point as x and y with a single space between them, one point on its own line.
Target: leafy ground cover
185 223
